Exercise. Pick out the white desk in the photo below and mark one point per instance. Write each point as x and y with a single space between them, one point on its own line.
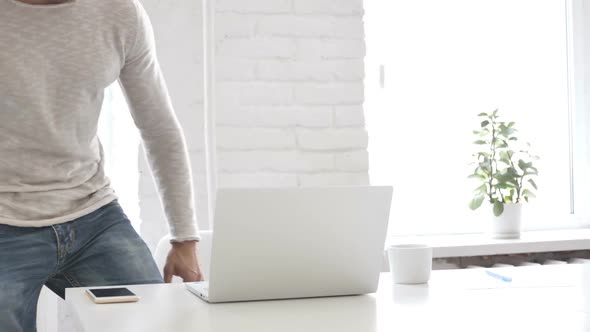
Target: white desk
546 298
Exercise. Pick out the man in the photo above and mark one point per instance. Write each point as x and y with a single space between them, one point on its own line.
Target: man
60 223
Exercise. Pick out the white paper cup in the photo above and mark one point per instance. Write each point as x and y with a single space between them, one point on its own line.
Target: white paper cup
410 263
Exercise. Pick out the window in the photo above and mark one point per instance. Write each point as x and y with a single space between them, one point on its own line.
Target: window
432 66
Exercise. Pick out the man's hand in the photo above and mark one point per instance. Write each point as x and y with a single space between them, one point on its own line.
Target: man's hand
182 261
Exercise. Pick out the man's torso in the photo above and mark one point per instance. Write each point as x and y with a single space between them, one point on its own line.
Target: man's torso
55 61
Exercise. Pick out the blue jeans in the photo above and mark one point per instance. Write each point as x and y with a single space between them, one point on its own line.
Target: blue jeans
99 249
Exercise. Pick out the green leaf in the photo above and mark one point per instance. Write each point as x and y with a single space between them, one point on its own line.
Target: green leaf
481 189
508 176
504 185
510 124
501 144
526 198
514 138
476 132
485 123
485 167
482 114
498 208
476 202
504 157
512 173
480 142
524 165
484 154
477 177
495 113
507 132
533 184
479 171
528 193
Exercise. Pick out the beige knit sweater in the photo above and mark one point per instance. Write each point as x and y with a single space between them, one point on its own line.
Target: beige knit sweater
55 62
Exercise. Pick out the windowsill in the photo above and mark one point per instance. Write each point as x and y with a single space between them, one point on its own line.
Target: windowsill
464 245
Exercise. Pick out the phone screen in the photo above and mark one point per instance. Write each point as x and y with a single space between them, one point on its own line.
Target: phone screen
111 292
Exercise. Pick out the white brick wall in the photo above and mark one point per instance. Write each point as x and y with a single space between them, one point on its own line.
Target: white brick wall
329 7
332 139
287 161
254 6
257 48
276 116
290 93
329 94
349 116
331 49
255 139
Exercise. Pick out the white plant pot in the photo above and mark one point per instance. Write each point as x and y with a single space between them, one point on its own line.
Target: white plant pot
508 224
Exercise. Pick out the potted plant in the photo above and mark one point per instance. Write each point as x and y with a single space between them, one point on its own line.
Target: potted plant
505 172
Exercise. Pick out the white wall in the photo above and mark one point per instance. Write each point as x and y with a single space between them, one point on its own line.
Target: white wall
289 94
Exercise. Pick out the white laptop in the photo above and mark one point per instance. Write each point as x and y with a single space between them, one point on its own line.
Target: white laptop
296 243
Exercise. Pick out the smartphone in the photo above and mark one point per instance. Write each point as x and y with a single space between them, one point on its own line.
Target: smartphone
112 295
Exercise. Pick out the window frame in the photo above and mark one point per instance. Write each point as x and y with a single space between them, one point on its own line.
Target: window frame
578 28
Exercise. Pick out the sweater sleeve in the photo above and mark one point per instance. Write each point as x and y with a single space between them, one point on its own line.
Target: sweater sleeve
163 139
